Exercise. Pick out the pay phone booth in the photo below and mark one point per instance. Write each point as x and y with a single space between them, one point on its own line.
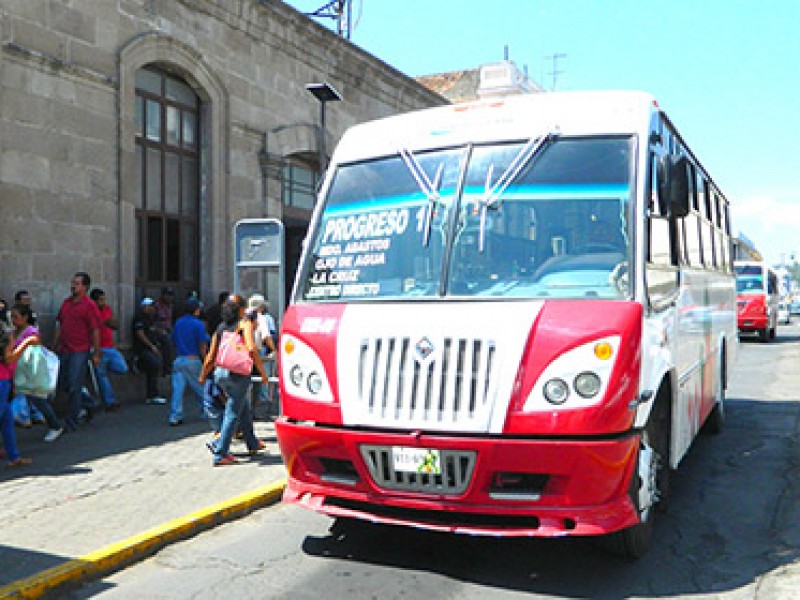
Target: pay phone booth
259 245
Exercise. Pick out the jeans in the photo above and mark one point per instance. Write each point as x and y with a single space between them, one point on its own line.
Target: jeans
184 370
71 376
237 412
150 365
7 422
23 411
111 362
50 417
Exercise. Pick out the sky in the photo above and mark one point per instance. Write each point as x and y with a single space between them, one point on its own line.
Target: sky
727 72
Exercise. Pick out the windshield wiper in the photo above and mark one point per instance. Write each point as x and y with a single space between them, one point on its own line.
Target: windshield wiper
426 186
492 193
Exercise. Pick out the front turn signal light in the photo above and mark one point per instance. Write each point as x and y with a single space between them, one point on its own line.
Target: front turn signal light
603 351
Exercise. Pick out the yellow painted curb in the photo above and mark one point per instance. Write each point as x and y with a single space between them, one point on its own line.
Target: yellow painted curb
115 556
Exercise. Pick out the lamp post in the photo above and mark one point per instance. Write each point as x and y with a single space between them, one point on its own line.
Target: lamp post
324 93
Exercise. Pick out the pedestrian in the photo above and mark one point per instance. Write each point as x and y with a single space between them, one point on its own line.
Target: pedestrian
25 414
26 334
6 419
77 339
146 349
163 324
237 411
5 323
264 330
190 339
112 360
214 312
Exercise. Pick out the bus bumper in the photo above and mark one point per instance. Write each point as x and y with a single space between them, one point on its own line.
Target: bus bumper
489 485
751 323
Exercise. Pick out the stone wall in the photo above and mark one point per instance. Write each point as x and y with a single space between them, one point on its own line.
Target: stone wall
67 162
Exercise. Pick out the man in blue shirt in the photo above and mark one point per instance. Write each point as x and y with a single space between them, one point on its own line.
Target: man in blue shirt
191 340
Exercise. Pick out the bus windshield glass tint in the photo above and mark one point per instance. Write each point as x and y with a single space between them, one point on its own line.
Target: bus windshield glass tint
460 222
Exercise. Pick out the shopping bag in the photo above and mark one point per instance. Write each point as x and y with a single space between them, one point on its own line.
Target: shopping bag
53 363
32 373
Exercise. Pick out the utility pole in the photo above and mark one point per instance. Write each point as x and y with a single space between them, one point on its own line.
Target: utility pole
555 72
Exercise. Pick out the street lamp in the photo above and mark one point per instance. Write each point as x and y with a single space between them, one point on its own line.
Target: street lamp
324 92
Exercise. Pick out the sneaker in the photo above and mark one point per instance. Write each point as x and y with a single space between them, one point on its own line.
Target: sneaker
52 434
38 421
24 461
175 423
24 424
228 459
156 400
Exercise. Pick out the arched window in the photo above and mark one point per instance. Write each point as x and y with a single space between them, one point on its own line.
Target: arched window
167 183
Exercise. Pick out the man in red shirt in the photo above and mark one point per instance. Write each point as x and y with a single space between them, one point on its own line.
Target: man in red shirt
77 337
113 361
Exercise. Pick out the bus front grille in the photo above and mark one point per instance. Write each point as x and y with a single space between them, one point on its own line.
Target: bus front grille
456 469
419 382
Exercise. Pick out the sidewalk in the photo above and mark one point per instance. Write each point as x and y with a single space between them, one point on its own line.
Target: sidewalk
124 474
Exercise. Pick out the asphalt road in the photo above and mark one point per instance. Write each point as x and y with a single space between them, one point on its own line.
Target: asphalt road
732 531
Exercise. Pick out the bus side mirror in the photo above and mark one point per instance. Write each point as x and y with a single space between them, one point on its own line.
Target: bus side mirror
673 186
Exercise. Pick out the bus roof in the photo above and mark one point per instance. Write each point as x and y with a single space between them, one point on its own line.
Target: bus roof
509 118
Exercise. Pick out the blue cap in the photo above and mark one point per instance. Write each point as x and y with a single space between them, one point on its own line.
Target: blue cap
192 304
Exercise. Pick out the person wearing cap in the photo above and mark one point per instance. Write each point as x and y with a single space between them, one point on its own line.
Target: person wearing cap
263 332
190 340
112 360
146 349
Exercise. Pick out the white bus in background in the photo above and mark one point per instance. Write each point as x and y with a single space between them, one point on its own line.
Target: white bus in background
512 318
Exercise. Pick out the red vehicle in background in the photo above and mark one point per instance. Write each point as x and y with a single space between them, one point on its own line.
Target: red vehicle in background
757 298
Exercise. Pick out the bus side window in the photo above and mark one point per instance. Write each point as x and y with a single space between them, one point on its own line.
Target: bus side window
660 271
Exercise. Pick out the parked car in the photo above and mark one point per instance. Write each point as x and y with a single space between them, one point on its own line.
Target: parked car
794 308
784 313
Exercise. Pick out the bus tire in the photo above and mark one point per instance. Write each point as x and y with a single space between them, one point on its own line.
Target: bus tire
633 542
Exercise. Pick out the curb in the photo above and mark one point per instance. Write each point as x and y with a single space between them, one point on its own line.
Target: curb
121 554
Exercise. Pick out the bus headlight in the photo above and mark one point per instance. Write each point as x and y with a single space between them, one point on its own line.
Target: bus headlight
587 384
556 391
577 378
314 382
296 375
302 371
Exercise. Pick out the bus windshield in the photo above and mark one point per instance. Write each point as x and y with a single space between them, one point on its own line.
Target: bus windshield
454 223
749 279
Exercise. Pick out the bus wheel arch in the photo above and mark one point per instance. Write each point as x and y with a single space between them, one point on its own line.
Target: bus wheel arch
649 487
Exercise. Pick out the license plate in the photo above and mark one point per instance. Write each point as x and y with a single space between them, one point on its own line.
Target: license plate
416 460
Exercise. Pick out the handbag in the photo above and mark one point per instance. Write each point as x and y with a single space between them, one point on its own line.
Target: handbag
233 355
32 374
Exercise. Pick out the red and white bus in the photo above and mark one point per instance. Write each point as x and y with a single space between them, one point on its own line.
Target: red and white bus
511 318
757 298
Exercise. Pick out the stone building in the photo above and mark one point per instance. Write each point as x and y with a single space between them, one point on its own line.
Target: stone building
134 134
